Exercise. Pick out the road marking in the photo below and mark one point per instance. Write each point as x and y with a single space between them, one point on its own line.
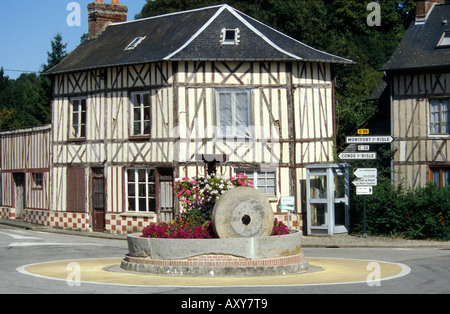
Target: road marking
19 237
335 271
28 244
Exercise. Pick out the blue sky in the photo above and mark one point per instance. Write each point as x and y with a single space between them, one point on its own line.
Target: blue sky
28 26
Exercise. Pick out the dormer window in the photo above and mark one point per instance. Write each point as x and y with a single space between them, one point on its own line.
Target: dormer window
445 40
135 43
230 36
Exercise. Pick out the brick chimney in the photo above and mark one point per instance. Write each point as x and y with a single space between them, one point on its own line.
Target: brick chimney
102 14
423 7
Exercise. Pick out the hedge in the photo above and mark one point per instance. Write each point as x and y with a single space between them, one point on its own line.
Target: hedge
423 213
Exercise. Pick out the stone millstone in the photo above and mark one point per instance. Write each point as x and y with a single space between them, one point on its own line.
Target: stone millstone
241 213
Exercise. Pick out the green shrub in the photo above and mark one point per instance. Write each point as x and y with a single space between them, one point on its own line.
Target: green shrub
422 213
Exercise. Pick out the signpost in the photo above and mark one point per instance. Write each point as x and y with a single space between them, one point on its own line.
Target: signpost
364 190
369 139
366 178
363 131
368 155
287 203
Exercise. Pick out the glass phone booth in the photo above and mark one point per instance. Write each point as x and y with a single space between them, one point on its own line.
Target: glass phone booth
328 194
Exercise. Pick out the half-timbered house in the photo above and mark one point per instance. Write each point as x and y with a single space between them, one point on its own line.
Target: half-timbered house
142 103
25 163
419 82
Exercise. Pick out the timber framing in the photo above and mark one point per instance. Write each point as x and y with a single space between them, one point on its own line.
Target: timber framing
100 120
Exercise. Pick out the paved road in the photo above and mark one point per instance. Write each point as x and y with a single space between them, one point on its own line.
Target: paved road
430 267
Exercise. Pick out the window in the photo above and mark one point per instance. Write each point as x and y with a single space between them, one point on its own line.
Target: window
141 114
38 180
141 190
263 181
135 43
78 123
440 116
233 113
230 36
445 40
441 176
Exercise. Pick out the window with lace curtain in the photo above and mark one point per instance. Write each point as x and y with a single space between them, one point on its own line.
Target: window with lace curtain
439 116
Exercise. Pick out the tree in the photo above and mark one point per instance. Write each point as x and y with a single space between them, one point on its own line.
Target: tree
25 102
57 54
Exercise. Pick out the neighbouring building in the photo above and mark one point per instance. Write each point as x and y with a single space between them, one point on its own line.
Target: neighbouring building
418 76
142 103
25 164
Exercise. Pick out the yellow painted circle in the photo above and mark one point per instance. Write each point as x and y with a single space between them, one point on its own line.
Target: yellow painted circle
332 271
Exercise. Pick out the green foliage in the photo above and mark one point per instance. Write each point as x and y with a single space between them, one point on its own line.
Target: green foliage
25 102
423 213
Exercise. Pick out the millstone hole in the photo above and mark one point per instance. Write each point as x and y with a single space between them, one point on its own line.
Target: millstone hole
246 220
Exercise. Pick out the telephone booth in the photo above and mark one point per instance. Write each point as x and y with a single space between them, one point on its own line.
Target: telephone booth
328 194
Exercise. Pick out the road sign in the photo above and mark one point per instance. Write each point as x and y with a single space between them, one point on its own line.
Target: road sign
368 155
363 131
364 190
287 200
365 181
366 173
364 148
286 207
369 139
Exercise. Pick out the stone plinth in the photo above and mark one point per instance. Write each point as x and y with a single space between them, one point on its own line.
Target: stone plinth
274 255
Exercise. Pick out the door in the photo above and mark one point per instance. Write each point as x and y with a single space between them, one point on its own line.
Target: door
166 211
19 182
98 199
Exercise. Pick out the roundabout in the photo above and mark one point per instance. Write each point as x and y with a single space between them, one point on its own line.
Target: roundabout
244 254
322 271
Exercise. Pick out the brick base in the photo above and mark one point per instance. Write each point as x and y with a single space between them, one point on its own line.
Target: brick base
71 221
37 217
218 265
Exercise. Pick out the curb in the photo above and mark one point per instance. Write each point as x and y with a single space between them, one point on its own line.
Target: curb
332 242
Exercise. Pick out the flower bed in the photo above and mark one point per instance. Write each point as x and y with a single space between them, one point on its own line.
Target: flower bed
198 196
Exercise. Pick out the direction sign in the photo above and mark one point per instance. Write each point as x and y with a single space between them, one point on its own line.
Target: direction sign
366 173
369 139
363 131
364 148
368 155
287 200
364 190
365 181
286 207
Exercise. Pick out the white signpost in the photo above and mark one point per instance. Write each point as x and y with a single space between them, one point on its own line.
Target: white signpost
366 178
366 172
369 139
287 203
364 190
348 156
